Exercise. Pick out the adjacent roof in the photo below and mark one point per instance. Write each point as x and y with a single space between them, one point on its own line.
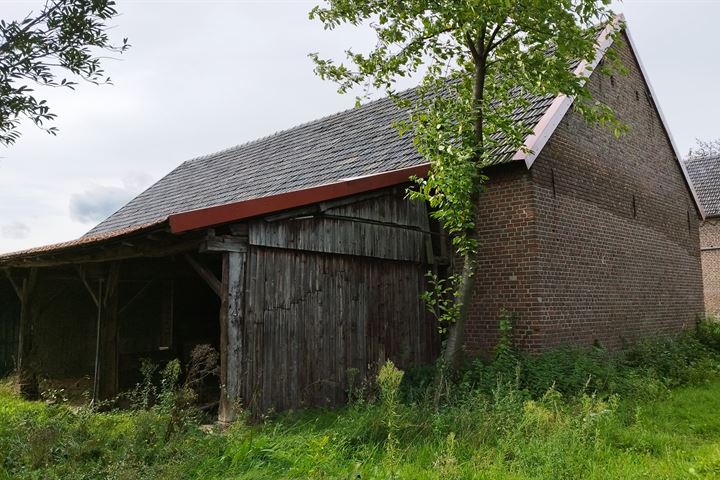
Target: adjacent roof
705 176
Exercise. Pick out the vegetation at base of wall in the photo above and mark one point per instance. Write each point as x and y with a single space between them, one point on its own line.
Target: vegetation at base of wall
646 412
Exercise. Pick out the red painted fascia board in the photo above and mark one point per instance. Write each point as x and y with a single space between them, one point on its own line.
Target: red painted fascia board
206 217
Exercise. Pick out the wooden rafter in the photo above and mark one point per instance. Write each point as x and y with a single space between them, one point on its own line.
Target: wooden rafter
83 279
205 273
143 290
109 253
16 287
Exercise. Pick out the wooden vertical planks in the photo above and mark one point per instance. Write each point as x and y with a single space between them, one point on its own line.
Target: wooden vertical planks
332 293
232 315
311 317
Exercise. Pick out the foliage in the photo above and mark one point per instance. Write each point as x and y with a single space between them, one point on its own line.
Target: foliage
169 396
389 379
440 299
65 35
645 412
704 148
479 63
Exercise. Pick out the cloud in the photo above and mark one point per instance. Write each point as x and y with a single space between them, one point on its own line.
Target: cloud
137 181
15 231
97 203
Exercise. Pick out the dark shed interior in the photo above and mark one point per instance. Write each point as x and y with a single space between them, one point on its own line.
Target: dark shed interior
9 317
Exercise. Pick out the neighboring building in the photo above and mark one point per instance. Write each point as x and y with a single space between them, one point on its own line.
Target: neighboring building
705 176
304 247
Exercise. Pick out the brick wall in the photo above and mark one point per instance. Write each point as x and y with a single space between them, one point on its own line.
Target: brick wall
710 244
508 257
599 240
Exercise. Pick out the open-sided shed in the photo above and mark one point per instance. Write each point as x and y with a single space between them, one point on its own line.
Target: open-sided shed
308 299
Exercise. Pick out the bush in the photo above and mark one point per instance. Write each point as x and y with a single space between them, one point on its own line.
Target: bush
641 371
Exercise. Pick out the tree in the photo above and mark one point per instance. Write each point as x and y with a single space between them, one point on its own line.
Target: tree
64 36
480 61
703 148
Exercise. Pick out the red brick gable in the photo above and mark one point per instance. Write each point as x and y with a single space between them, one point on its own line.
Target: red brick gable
599 240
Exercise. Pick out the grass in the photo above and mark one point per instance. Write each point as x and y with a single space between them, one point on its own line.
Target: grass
650 412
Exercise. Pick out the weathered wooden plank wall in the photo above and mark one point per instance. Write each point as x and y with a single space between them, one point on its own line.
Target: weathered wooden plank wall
64 329
311 317
335 292
386 226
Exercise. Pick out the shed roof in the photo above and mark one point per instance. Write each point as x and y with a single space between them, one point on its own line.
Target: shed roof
705 176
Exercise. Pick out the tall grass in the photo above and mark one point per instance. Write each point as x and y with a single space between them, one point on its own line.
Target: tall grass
645 412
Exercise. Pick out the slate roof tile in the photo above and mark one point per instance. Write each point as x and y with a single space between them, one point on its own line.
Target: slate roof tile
357 142
705 176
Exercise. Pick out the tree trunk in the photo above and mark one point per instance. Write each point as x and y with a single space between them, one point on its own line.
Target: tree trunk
456 335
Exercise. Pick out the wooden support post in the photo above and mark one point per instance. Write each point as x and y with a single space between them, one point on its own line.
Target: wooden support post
26 377
105 381
108 382
232 311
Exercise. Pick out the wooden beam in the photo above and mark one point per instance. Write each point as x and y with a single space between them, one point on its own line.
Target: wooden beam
319 208
109 253
204 273
224 243
83 279
15 286
98 346
232 316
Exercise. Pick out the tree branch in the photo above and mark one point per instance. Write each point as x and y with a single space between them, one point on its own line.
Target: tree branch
493 34
505 38
471 45
43 16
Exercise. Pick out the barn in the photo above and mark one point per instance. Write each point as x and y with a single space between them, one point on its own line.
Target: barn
299 257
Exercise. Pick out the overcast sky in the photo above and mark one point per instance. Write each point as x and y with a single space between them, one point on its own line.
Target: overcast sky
206 75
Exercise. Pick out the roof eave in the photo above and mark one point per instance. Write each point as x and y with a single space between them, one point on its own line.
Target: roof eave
232 212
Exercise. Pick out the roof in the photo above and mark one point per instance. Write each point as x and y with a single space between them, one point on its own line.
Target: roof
85 241
355 143
705 176
361 142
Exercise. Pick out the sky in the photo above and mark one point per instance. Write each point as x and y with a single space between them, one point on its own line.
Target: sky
202 76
